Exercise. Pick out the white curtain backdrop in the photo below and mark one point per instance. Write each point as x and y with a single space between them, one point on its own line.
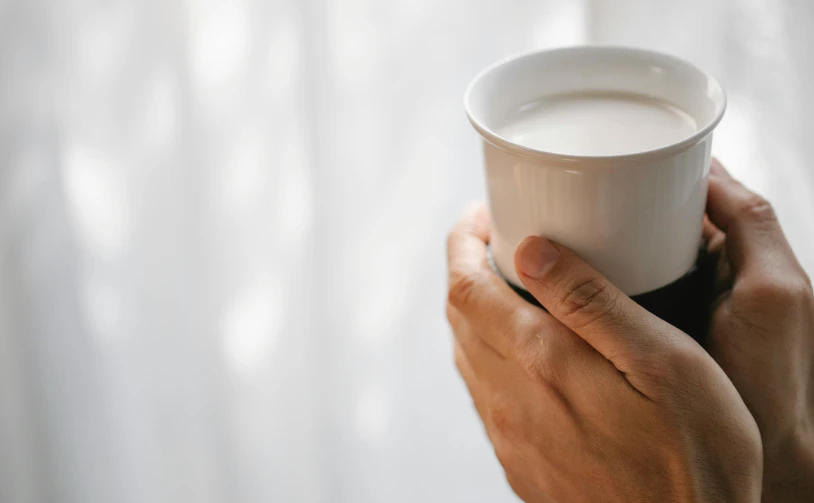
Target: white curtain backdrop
222 223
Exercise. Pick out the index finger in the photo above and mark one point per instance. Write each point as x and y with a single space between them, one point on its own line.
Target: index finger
478 293
754 238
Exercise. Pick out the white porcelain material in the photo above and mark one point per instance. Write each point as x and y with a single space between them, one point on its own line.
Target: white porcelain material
636 217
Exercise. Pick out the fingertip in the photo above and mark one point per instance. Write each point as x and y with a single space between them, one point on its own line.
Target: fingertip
474 221
718 169
711 235
475 209
477 204
720 208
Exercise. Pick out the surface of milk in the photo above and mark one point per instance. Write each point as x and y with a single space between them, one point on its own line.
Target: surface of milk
597 124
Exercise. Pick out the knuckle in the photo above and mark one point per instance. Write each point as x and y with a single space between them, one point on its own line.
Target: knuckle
523 323
513 480
452 316
771 292
519 327
516 484
799 290
505 456
757 208
452 237
459 360
501 416
588 299
510 462
462 288
543 358
762 288
807 280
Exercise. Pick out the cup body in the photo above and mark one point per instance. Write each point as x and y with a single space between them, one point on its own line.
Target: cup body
636 217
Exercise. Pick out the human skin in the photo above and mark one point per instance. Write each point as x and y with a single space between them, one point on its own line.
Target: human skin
557 390
762 331
597 400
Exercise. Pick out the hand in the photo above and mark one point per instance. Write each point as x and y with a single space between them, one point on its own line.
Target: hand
598 400
762 332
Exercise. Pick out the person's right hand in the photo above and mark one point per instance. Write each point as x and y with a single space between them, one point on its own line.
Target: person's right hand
762 331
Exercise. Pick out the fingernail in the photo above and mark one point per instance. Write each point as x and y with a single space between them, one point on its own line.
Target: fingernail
536 256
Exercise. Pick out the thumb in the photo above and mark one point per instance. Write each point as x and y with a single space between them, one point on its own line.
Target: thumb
587 303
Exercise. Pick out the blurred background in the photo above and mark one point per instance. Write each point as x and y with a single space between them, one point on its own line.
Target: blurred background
222 226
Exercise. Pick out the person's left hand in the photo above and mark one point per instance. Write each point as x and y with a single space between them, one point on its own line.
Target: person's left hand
596 399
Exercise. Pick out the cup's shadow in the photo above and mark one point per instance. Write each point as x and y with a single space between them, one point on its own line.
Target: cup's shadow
683 303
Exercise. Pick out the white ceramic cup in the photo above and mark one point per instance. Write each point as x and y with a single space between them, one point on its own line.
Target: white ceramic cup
636 217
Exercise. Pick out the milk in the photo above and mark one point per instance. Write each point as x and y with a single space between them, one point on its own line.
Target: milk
597 124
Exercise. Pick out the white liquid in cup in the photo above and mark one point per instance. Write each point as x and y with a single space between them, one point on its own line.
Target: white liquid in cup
597 124
605 150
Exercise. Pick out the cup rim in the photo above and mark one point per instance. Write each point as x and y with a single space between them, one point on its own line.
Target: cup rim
660 152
